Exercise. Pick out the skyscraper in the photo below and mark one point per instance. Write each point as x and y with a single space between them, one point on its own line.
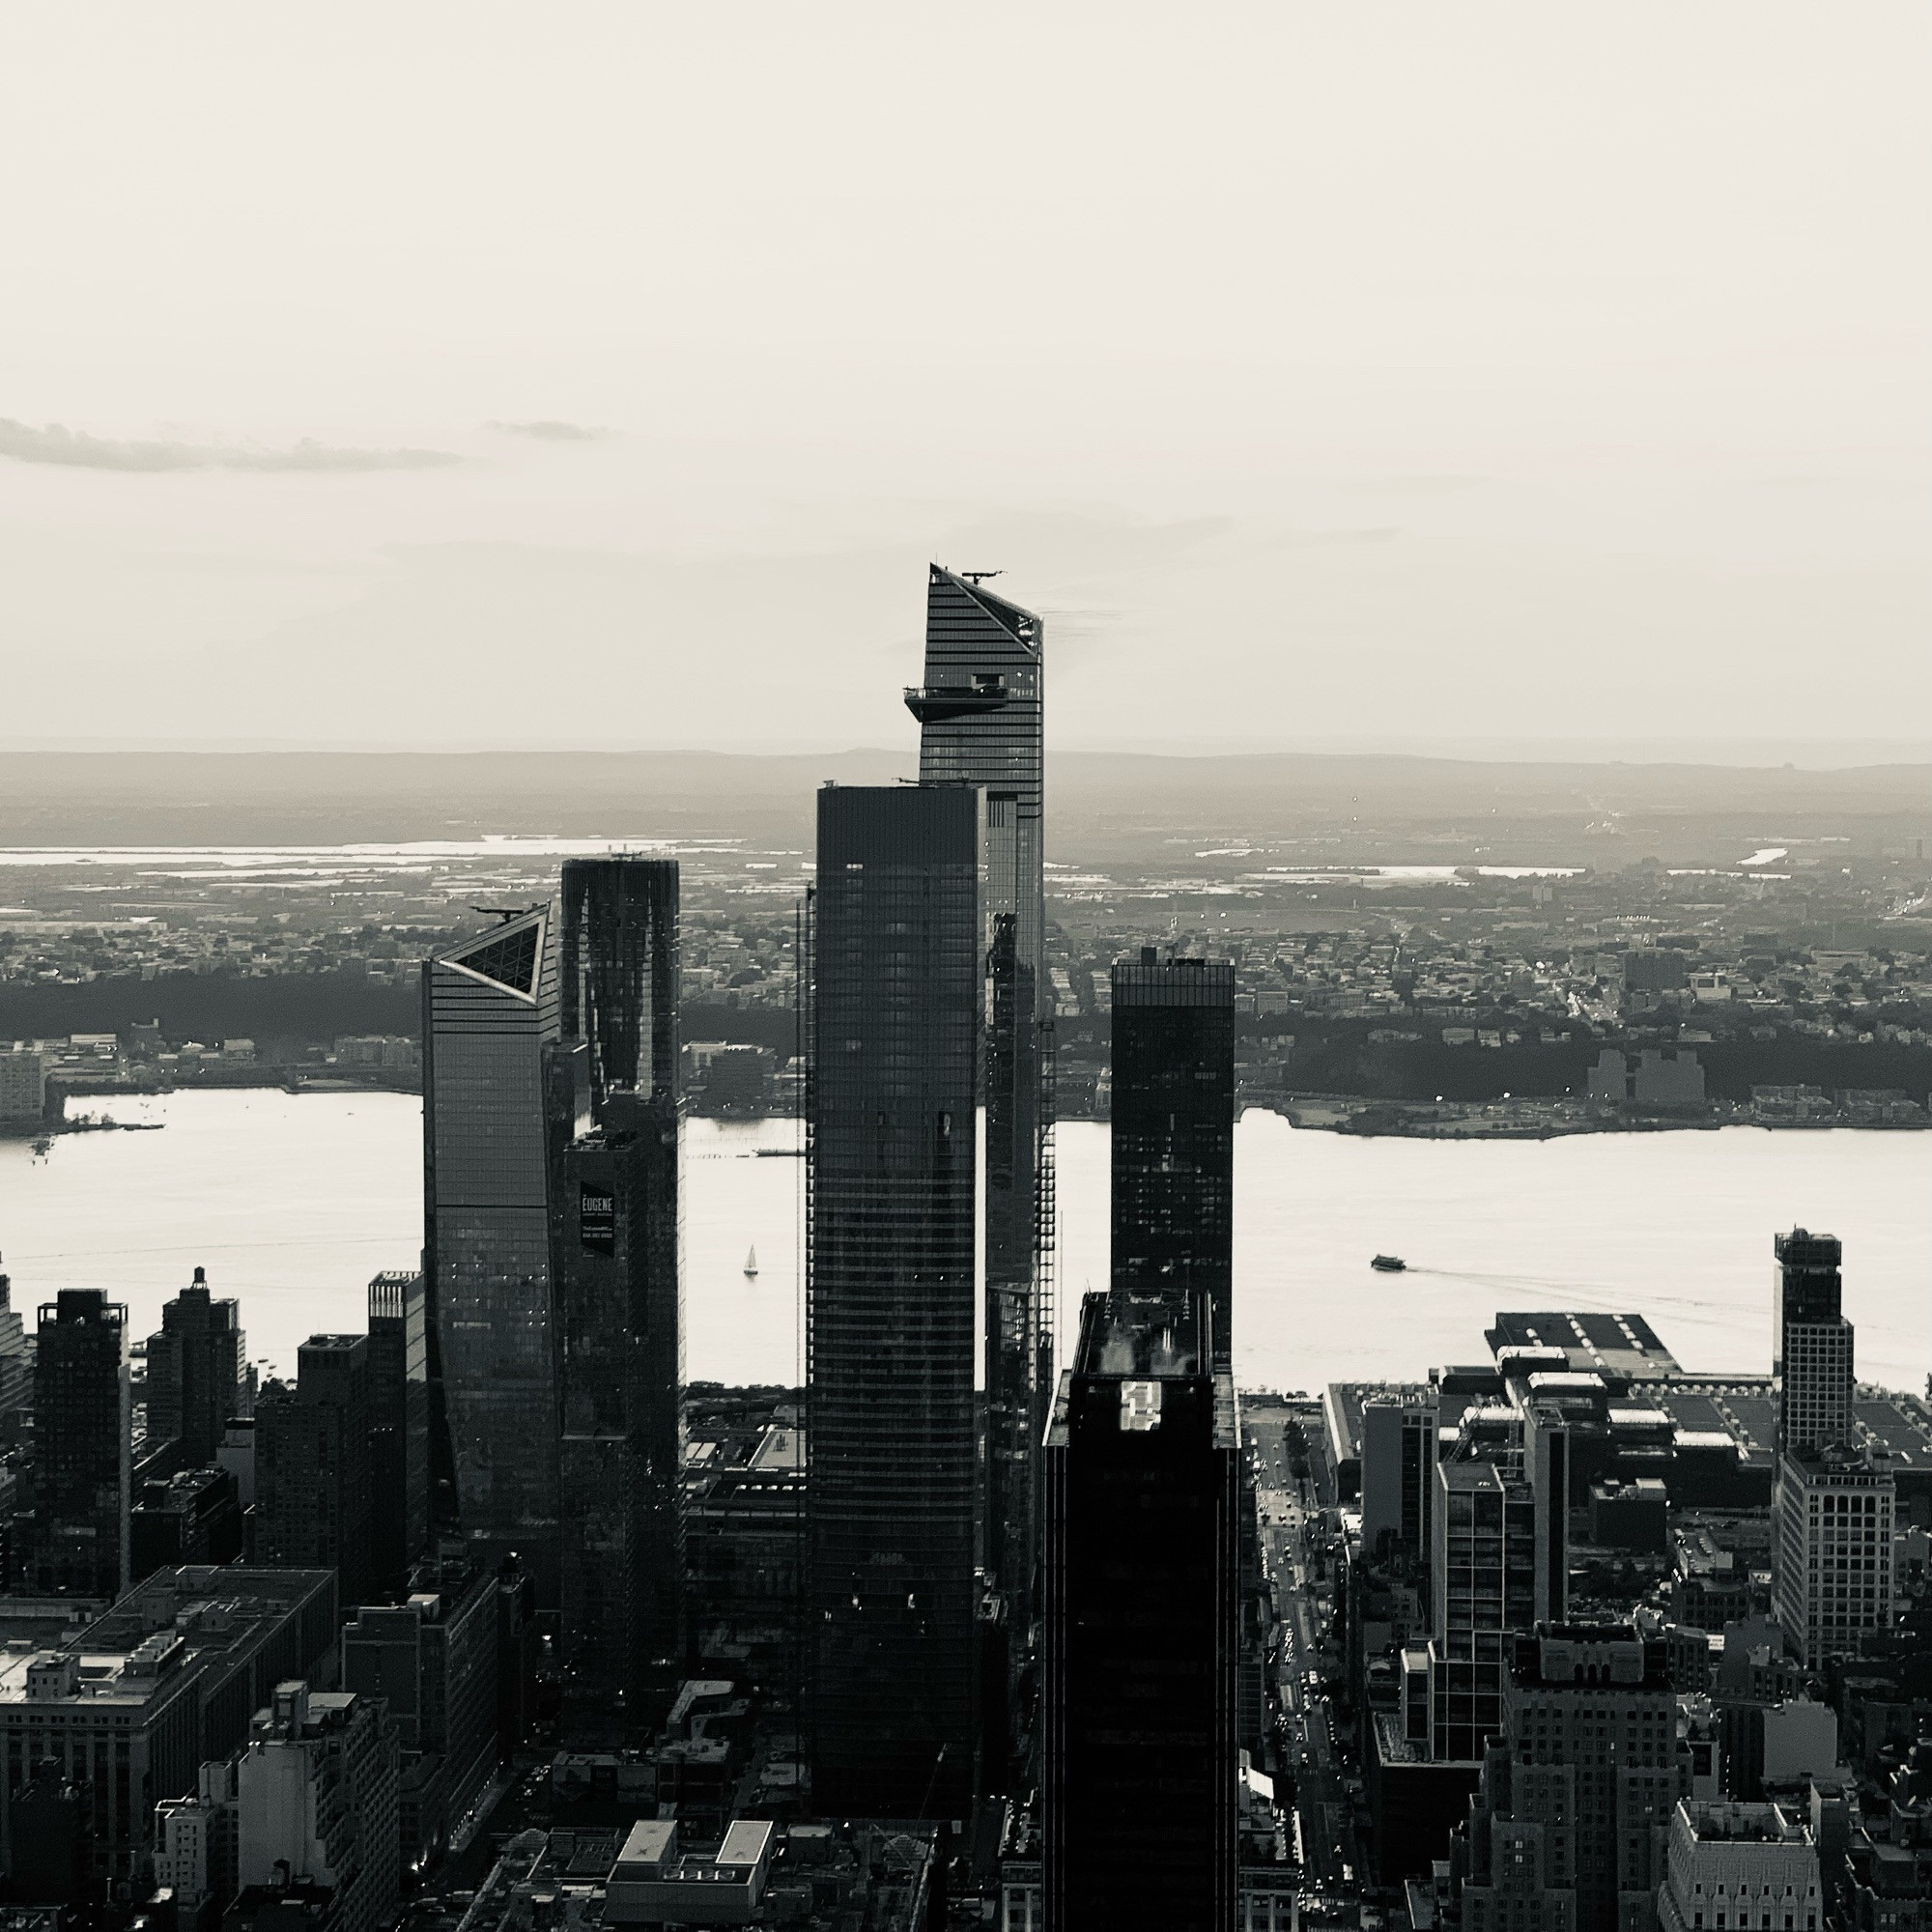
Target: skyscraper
78 1543
1137 1703
1811 1343
890 1299
194 1371
618 978
312 1464
398 1427
1174 1131
489 1022
1832 1508
620 1298
980 710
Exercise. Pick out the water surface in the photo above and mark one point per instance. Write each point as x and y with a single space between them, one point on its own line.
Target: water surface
292 1201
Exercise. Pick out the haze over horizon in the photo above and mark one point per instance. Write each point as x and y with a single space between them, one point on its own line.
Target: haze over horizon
1386 378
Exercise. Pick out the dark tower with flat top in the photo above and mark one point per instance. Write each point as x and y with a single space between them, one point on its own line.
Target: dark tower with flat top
1174 1131
1137 1716
891 1597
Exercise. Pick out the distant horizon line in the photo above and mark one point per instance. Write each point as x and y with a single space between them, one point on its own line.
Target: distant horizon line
1739 753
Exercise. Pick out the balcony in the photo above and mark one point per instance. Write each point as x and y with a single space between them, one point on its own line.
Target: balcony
938 703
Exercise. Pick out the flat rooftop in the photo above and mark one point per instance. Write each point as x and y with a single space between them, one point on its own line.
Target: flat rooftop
1742 1823
1612 1344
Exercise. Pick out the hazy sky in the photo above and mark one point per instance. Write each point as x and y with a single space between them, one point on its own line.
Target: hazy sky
1325 373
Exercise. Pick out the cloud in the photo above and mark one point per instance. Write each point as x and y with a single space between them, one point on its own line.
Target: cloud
78 450
552 431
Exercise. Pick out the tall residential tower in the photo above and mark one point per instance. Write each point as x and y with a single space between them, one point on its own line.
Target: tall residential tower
194 1371
77 1541
1833 1506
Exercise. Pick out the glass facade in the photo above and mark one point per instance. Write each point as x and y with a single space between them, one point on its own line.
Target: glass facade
623 1435
489 1025
618 1261
399 1426
981 724
1174 1131
618 976
891 1305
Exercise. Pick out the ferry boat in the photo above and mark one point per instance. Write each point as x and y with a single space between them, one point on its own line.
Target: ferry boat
1388 1265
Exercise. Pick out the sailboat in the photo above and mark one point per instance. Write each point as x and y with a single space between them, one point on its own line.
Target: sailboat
751 1263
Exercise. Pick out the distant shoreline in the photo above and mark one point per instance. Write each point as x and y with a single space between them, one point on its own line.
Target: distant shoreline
1356 1115
1532 1119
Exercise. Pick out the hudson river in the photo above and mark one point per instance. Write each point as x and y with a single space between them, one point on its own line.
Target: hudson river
292 1202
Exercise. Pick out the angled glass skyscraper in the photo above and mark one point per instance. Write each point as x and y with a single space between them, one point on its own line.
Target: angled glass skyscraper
620 1300
489 1028
979 711
891 1300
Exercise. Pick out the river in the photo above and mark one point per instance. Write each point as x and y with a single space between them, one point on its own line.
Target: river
292 1201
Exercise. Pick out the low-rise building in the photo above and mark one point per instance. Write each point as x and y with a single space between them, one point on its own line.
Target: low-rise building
432 1659
138 1699
316 1793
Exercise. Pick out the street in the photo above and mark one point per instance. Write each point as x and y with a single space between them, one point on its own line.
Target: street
1294 1531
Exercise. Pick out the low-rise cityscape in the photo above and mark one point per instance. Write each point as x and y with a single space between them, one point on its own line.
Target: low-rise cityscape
1455 1005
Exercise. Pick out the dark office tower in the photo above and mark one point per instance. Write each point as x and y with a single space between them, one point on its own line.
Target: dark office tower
890 1302
620 1298
979 711
78 1543
312 1464
489 1028
1174 1131
619 987
194 1370
398 1427
623 1435
1811 1347
1138 1718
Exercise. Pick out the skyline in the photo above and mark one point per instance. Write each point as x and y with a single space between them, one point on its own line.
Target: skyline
1471 464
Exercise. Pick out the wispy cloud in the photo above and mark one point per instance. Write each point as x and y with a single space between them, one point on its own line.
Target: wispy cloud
552 431
77 450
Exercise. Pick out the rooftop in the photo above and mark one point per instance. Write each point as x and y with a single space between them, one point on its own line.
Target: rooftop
1617 1345
1740 1824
